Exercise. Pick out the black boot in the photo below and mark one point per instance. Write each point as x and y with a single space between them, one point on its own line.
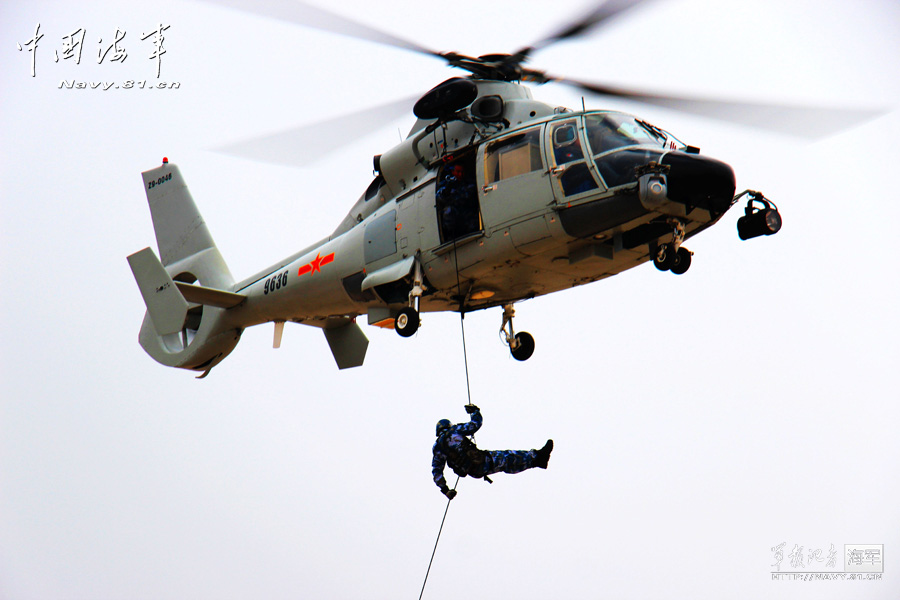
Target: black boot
543 455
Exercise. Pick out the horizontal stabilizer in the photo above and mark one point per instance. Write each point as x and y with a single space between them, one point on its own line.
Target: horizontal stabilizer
165 304
209 296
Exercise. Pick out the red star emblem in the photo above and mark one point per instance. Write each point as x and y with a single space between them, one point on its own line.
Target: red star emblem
316 263
315 266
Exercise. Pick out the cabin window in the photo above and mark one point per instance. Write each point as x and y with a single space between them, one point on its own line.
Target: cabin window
515 155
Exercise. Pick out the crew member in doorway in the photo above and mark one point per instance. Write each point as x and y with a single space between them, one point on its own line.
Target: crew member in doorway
457 203
454 447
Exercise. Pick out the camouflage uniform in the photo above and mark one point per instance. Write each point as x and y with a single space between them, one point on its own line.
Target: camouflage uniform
454 447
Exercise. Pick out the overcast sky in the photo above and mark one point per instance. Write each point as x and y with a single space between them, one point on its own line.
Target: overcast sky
699 420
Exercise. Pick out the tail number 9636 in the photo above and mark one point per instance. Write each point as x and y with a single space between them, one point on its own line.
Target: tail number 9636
276 282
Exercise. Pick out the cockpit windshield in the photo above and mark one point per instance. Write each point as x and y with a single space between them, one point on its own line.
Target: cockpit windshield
610 131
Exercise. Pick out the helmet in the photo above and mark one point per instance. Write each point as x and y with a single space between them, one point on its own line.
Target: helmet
441 426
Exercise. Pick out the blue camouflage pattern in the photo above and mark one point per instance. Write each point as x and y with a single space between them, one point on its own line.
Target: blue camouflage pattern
478 463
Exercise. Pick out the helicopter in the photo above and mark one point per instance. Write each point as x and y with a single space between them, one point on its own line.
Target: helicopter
493 197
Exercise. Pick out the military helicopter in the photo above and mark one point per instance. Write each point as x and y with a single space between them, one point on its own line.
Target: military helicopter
492 198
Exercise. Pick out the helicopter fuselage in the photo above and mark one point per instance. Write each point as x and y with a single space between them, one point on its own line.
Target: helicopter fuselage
549 203
498 200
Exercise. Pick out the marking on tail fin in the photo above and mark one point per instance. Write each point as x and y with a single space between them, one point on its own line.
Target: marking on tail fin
165 304
180 229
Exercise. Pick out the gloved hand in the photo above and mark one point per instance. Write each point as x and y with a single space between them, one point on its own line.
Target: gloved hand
470 408
451 494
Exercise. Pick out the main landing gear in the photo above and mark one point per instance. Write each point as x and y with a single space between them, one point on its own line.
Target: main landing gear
672 256
521 345
407 321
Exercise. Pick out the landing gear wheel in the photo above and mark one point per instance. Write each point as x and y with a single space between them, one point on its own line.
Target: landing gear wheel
664 257
407 322
682 261
524 346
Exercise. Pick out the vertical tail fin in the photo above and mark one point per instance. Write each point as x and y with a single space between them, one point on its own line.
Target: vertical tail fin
180 230
182 237
176 332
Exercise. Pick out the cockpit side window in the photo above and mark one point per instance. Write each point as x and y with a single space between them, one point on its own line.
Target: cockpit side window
566 146
514 155
571 171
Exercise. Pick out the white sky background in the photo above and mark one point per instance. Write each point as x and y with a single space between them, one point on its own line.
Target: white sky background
699 420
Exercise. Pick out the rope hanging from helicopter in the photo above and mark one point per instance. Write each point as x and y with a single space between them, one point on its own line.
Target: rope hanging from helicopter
462 327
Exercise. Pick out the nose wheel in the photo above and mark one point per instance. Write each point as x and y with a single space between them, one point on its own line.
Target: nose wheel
521 345
667 258
672 256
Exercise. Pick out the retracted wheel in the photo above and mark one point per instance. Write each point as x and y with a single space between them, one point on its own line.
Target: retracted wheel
682 261
665 257
524 346
407 321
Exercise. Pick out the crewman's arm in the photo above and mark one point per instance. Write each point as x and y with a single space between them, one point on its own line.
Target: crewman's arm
474 423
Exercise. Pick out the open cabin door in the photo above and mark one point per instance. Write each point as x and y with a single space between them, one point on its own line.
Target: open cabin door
456 200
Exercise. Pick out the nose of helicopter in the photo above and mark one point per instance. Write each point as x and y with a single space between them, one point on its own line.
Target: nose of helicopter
699 181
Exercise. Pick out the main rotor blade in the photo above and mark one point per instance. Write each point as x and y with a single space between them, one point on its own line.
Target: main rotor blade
302 145
603 12
296 11
801 121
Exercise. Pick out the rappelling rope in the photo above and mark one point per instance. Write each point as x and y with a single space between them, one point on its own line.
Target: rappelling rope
436 541
462 327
